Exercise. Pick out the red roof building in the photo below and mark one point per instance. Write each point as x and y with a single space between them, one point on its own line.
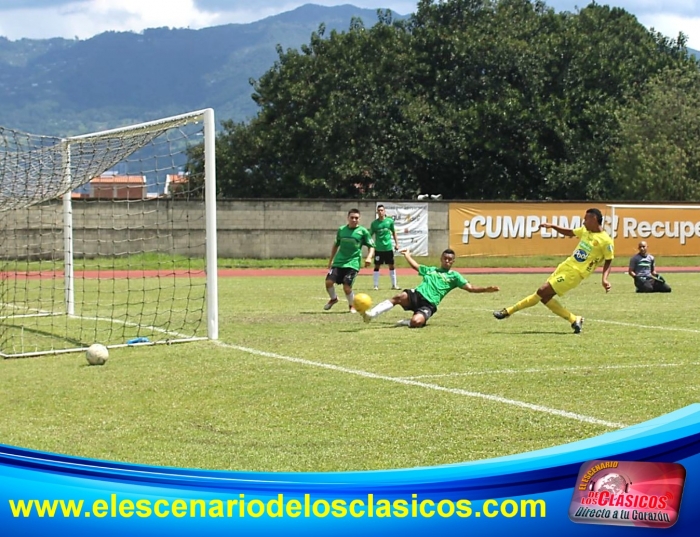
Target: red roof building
122 187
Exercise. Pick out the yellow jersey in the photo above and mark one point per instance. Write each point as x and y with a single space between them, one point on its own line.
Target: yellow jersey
593 248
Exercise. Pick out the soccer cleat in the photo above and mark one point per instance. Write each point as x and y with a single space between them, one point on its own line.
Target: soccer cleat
352 309
366 317
376 288
577 325
328 305
501 314
395 287
403 322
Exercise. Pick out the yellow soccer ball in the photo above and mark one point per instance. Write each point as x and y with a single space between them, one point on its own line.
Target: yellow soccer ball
362 302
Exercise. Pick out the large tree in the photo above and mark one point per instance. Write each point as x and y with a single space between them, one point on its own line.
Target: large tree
658 157
477 99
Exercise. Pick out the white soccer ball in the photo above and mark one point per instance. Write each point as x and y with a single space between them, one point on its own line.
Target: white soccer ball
97 354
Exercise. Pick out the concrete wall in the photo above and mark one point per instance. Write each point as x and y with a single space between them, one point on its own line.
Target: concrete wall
246 228
302 228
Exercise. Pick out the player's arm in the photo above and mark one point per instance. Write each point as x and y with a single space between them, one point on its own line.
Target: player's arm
370 247
334 251
370 256
606 272
653 268
631 268
476 289
567 232
396 239
410 260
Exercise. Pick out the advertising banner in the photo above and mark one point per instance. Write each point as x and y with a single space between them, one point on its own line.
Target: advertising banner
411 224
513 229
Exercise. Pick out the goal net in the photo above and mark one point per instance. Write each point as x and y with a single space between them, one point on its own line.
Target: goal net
108 237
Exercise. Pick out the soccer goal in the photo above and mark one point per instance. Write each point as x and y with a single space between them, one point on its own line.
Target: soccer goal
108 237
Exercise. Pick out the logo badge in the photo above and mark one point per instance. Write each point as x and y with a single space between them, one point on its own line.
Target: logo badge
580 255
627 493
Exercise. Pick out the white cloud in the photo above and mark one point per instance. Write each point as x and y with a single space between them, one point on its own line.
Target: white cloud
40 19
86 19
670 25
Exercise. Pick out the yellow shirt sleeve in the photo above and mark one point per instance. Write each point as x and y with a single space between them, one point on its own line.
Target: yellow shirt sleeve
609 253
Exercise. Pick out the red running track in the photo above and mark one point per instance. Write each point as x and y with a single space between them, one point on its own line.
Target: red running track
283 272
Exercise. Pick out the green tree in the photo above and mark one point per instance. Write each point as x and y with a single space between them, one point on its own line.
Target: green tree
475 99
658 157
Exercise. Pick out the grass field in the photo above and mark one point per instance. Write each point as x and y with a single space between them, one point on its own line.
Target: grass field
292 388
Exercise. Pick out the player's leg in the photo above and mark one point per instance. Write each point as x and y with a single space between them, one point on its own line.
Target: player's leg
375 274
402 299
559 284
331 280
420 317
392 269
348 279
526 302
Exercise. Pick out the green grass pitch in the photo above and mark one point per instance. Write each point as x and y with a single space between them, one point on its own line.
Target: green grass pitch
292 388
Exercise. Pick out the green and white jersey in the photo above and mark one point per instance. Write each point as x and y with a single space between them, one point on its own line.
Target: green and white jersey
350 242
383 231
437 282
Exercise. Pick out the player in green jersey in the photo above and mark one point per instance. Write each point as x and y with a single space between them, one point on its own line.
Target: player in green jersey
382 229
423 301
346 258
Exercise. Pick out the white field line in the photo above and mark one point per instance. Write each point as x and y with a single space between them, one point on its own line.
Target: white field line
550 370
525 314
418 384
554 317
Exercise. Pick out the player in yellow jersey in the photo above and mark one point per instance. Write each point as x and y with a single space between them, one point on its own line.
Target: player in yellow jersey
595 247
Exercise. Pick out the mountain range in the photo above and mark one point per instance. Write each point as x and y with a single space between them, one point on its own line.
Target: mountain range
65 87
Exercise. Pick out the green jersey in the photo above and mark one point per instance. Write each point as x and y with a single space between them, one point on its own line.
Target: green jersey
349 242
437 282
383 231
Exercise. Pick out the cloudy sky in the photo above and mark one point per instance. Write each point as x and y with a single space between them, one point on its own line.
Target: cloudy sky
40 19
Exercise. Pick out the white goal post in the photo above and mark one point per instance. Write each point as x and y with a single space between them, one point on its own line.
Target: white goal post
108 237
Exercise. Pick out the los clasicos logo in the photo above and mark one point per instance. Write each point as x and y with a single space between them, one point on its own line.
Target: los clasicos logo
628 493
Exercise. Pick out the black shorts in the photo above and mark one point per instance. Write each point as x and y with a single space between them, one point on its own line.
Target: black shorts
647 284
342 275
418 304
386 258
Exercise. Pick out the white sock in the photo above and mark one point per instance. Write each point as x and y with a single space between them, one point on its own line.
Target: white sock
380 308
331 292
376 278
350 297
392 273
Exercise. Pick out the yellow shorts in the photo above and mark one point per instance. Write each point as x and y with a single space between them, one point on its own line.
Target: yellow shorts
564 279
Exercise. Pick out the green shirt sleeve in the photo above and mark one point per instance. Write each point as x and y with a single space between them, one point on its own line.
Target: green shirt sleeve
368 239
461 280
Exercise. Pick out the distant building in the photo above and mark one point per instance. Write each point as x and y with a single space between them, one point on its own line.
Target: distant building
174 184
120 187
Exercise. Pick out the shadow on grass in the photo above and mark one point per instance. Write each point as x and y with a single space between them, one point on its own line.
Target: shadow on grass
323 312
540 332
50 335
